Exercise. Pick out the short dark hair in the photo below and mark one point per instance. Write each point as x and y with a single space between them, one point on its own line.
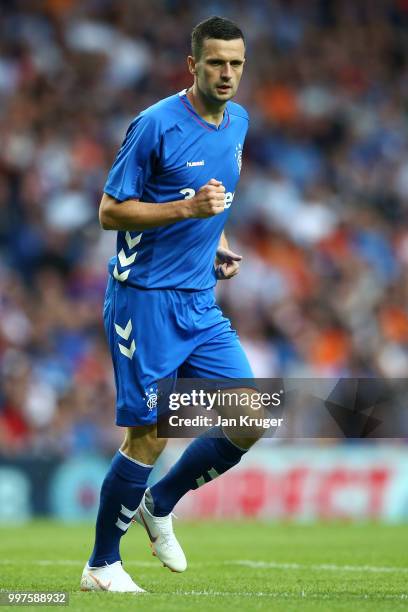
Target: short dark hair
213 27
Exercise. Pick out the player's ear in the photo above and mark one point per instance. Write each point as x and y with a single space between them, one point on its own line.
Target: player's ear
191 64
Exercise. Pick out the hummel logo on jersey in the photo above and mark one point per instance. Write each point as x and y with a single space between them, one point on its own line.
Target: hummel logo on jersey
238 156
196 163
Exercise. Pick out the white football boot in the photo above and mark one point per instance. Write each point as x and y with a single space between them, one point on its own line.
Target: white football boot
111 578
163 542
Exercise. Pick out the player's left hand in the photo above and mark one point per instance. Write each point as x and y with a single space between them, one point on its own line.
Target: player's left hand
226 263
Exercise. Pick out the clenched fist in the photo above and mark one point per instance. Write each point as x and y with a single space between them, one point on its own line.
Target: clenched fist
209 200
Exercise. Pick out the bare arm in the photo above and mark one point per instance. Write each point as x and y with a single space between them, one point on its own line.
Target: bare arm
133 215
223 243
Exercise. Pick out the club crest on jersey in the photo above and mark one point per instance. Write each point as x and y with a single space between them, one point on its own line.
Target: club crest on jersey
151 397
238 156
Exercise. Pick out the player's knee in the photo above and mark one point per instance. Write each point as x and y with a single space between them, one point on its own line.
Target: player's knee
142 444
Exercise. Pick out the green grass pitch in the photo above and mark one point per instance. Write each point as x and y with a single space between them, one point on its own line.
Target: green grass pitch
241 566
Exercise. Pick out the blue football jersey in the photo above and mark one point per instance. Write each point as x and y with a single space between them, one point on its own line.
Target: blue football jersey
169 152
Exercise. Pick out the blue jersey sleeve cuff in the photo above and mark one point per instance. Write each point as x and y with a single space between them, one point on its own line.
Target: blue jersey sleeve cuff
121 196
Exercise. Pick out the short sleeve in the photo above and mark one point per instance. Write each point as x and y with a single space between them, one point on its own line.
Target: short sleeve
136 160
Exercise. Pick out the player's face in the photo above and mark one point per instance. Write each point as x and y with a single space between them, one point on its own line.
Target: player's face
218 71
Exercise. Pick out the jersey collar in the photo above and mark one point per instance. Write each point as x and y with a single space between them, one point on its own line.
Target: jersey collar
205 124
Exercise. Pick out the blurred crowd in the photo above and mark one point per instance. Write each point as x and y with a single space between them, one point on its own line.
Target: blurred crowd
320 214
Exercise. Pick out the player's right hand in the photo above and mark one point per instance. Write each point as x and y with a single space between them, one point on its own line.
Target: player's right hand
209 200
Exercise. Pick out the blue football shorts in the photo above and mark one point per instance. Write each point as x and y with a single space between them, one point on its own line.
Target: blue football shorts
165 333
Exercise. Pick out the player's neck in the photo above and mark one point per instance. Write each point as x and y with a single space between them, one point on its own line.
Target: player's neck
212 113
